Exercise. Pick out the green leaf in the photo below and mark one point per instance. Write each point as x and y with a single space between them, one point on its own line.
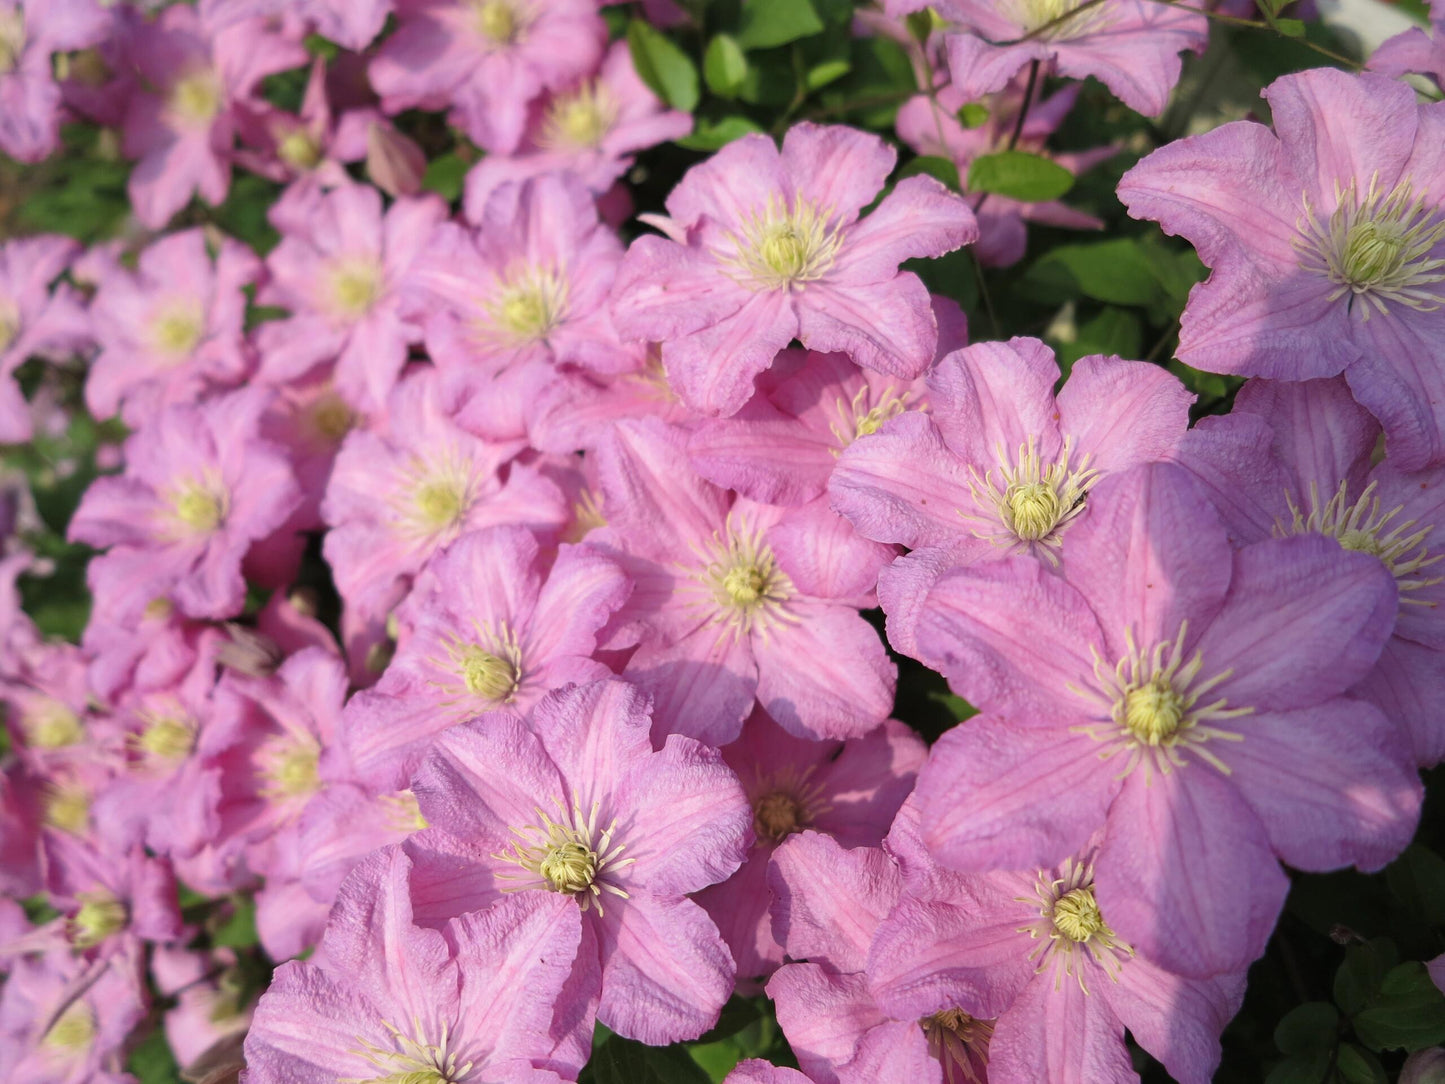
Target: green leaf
237 927
623 1061
1290 28
665 68
770 23
1407 1014
724 67
1019 175
940 169
1358 980
737 1014
1307 1028
1417 878
1116 271
1110 331
709 135
973 115
445 175
955 705
820 75
152 1061
1301 1069
1356 1066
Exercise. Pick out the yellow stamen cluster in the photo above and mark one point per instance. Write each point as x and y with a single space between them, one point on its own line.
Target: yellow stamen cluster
1362 526
529 303
1155 709
67 807
101 915
52 725
74 1031
500 22
403 812
1025 506
587 516
865 413
1070 920
195 99
198 508
299 149
1051 20
485 675
569 856
289 766
441 495
411 1060
177 329
329 419
785 801
1379 249
486 667
355 285
960 1043
579 119
167 737
786 244
12 39
743 586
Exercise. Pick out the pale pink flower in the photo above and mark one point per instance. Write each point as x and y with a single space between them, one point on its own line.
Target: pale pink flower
36 319
30 100
352 24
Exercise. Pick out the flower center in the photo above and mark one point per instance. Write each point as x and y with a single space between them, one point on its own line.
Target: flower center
1362 526
1154 709
1382 249
579 119
778 815
198 508
1027 506
356 284
498 21
331 418
1032 16
960 1043
12 39
289 766
167 737
745 584
488 676
408 1060
52 726
67 807
587 516
299 149
74 1031
178 329
101 915
1069 919
9 323
195 99
568 856
441 503
857 418
785 245
403 812
529 305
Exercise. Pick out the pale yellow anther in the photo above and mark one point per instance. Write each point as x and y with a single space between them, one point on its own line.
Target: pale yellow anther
195 99
1076 914
486 675
579 119
1030 500
786 245
569 867
101 915
745 585
441 503
12 39
1034 509
960 1042
569 856
178 329
356 285
331 418
1153 711
299 149
529 305
293 770
167 738
74 1031
778 815
496 20
198 508
52 726
67 808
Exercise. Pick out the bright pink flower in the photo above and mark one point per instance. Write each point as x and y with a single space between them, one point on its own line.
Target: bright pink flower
1326 238
849 790
46 700
1158 695
110 898
486 59
575 801
523 292
397 499
200 487
1131 46
735 602
764 246
495 623
352 24
384 999
1295 459
181 120
590 129
30 33
931 126
173 329
34 319
1027 965
340 274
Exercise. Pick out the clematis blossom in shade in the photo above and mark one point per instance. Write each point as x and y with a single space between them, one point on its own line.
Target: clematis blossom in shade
340 273
590 129
352 24
1182 696
1131 46
180 122
734 601
574 802
849 790
30 99
1030 961
1294 458
762 246
1326 240
397 498
1414 52
200 487
36 318
173 329
495 622
384 999
486 60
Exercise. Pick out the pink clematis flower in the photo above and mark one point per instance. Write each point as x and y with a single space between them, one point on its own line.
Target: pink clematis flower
30 99
848 790
757 1071
340 274
1295 459
763 246
352 24
384 999
486 59
1131 46
1326 238
173 329
1136 698
524 292
495 622
1414 52
182 131
398 499
575 801
735 602
1028 964
591 130
34 319
575 410
199 489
